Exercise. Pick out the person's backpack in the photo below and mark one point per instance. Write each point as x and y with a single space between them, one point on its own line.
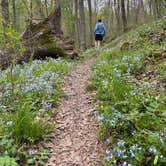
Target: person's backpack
100 29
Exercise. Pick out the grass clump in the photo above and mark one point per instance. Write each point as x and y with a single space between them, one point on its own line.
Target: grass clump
25 111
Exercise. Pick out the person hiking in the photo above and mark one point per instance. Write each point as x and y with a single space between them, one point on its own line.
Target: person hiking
99 31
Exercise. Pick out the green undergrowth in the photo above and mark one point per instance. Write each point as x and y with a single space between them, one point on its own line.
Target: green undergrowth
129 79
26 104
89 53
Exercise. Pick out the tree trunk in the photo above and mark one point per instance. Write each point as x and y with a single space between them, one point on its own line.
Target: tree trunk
157 6
90 22
5 12
14 13
141 12
77 36
112 22
150 7
123 13
39 10
95 10
108 15
52 2
117 13
31 10
128 9
57 20
26 4
82 25
46 8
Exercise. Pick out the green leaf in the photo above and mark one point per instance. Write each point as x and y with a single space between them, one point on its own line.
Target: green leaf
156 160
30 161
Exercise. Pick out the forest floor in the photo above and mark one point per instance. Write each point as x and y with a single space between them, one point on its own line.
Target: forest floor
75 140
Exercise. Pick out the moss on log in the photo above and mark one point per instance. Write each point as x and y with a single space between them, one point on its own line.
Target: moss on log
40 36
42 39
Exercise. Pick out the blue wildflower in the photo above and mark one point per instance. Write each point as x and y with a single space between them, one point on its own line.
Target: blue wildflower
107 152
153 150
121 144
108 158
124 163
100 118
114 162
105 83
132 155
95 114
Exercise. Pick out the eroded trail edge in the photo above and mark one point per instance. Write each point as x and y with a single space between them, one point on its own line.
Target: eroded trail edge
75 142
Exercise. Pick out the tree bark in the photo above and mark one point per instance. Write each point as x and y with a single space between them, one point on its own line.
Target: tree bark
90 22
5 12
128 9
57 19
31 10
141 12
39 11
14 13
26 4
46 8
82 25
108 14
135 10
150 7
123 13
117 12
95 10
157 6
77 36
112 22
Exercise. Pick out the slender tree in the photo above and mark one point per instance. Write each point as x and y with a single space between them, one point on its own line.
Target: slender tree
141 12
158 8
5 12
57 9
128 9
82 25
31 10
46 7
52 2
109 15
150 7
14 13
77 36
39 10
90 22
117 12
123 13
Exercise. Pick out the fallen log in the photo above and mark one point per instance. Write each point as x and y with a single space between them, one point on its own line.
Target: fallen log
42 39
44 36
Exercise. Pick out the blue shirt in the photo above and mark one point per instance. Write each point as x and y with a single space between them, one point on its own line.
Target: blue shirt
99 28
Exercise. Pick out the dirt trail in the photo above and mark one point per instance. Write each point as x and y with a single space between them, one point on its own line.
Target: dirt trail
75 142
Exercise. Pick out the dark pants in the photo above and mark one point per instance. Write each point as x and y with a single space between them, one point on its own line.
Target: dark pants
98 37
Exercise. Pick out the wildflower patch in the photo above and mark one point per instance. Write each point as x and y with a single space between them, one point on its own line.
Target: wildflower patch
131 109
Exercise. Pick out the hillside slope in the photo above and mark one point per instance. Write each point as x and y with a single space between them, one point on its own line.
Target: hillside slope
130 80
